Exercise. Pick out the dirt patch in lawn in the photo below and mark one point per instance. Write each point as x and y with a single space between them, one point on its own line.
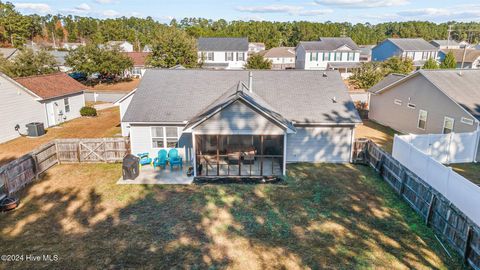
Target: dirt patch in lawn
125 86
106 124
324 216
379 134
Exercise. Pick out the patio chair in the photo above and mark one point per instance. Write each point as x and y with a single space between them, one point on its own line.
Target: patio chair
161 160
144 159
174 158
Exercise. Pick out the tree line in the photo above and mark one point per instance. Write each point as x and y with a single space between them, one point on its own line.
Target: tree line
16 29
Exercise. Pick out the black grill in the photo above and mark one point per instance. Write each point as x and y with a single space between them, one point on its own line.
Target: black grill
130 167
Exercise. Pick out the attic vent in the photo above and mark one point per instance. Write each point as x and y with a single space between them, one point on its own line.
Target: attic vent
325 74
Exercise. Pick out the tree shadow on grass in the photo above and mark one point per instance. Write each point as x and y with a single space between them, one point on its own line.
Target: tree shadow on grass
326 216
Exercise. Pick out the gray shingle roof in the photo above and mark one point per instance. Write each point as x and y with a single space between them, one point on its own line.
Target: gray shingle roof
443 42
222 44
329 44
412 44
300 96
463 86
389 79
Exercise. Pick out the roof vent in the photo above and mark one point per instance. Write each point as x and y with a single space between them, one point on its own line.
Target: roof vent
334 99
325 74
250 82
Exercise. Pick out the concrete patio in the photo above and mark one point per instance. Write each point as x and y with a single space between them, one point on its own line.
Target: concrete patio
159 176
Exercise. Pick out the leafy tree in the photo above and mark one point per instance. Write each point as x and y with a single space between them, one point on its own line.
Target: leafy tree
430 64
397 65
256 61
28 63
173 47
92 59
367 75
449 62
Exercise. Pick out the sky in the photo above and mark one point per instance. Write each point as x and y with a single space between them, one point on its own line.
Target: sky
354 11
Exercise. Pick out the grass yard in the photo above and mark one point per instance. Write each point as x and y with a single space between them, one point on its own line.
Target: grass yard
471 171
106 124
324 216
125 86
379 134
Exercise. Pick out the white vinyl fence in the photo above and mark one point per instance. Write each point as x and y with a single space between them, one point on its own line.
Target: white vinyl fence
460 191
446 148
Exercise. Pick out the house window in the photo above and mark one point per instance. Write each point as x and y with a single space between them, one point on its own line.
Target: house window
326 56
314 56
467 121
67 105
351 57
338 56
240 56
411 105
210 56
448 125
397 102
164 137
422 119
229 56
425 55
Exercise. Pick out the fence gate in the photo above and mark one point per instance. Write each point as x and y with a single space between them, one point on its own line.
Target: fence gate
92 151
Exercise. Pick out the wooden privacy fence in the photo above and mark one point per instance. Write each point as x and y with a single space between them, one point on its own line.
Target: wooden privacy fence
437 211
24 170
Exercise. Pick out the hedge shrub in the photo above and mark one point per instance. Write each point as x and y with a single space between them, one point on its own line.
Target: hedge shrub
88 111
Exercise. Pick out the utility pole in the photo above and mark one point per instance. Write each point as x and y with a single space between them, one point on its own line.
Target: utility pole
344 33
449 33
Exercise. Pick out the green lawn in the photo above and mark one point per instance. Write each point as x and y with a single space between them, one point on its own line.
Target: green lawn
322 216
470 171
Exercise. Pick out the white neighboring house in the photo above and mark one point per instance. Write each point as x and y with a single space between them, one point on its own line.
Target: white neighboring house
123 103
223 53
125 46
72 45
50 99
445 44
256 47
334 53
147 48
281 57
139 63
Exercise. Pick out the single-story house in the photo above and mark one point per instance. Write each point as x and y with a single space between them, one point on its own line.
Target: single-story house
465 58
281 57
242 123
60 60
428 101
139 66
49 99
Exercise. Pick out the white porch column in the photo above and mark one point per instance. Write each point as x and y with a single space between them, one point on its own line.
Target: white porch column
285 154
194 155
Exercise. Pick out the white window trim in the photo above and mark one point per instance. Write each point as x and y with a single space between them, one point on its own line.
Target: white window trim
418 120
164 136
467 121
445 120
66 104
397 102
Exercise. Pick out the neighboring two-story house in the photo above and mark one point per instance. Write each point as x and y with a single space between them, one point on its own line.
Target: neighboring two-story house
416 49
333 53
281 57
223 53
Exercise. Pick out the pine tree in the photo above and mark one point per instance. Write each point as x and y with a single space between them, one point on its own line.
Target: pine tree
256 61
449 62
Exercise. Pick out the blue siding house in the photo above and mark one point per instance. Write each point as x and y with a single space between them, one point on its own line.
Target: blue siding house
416 49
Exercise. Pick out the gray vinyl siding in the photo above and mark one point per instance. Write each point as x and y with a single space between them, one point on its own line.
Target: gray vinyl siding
123 108
300 55
238 118
17 107
320 144
425 96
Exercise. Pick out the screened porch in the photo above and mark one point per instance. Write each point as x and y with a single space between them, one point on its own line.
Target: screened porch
239 155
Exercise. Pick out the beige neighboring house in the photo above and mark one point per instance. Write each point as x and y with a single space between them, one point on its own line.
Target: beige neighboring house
256 47
428 101
469 57
281 57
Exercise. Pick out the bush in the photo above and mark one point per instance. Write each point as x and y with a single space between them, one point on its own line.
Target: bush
88 111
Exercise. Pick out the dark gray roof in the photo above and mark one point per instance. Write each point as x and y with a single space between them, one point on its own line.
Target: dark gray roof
412 44
329 44
463 86
300 96
223 44
389 79
241 92
344 64
443 43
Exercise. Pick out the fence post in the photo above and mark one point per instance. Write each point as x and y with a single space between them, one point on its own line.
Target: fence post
35 165
430 209
467 249
403 176
78 151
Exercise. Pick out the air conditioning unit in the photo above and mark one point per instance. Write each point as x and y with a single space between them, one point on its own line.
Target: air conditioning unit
35 129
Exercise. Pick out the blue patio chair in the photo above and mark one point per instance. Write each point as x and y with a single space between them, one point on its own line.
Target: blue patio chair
174 158
144 159
161 160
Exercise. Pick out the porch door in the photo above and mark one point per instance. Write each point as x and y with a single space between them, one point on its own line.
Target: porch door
51 114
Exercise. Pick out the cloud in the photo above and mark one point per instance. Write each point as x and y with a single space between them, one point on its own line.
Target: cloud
104 1
83 7
362 3
40 8
110 13
458 12
289 9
